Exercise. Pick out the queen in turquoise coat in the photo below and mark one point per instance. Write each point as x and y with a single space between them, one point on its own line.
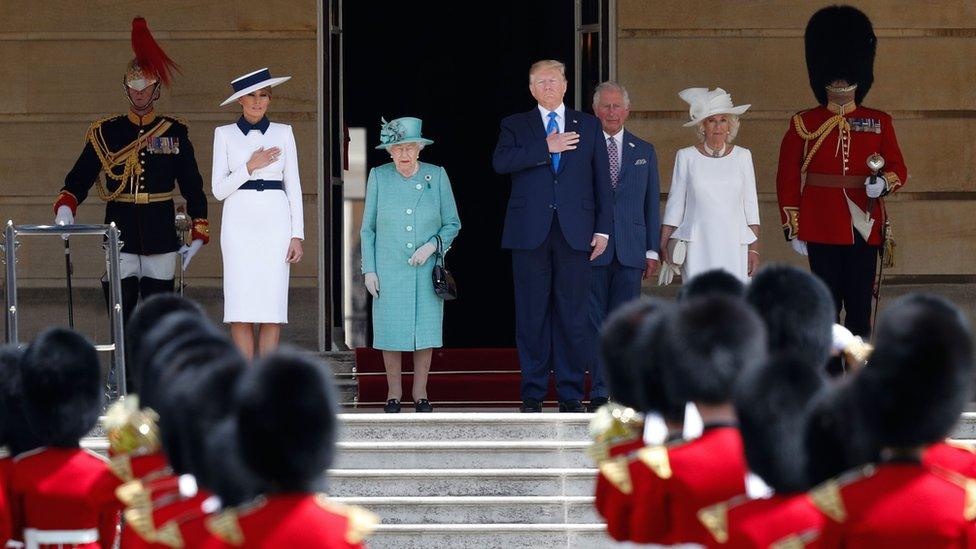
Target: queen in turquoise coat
408 204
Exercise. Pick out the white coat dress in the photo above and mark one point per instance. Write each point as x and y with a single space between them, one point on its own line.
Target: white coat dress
712 202
256 226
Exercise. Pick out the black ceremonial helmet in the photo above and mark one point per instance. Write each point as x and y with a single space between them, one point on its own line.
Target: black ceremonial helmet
840 45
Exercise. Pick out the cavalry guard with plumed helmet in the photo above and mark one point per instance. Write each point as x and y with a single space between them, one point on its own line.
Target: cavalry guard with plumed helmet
837 162
144 156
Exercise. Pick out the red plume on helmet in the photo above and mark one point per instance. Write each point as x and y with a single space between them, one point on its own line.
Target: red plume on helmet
149 56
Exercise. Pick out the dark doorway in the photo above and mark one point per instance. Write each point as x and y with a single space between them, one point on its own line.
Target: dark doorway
461 74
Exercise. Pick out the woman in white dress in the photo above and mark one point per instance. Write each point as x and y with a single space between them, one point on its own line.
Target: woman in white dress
255 173
712 203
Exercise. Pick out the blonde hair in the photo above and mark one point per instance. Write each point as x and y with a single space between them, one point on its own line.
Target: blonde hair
547 64
733 128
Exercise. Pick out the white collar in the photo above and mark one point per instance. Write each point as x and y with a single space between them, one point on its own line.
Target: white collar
618 137
756 487
560 111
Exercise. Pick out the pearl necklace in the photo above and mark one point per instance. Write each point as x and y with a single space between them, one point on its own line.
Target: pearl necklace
714 154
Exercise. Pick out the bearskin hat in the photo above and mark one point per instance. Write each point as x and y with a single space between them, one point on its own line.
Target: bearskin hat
173 333
840 45
798 311
225 474
286 420
645 355
146 317
16 434
705 343
920 375
617 338
713 282
839 435
772 402
62 381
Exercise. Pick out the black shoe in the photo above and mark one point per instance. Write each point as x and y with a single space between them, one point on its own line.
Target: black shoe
392 406
572 406
423 405
596 403
530 405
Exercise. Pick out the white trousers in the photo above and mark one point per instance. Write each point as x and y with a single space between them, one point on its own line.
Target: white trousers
158 266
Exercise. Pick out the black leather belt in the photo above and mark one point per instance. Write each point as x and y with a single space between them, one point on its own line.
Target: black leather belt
262 185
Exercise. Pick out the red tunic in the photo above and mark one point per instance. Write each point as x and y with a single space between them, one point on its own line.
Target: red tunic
691 476
6 472
895 505
615 481
64 489
743 523
954 456
822 213
295 521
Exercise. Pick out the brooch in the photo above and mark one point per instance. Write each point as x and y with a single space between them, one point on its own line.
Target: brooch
631 143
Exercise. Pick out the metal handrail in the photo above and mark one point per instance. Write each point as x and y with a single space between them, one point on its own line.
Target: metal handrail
113 261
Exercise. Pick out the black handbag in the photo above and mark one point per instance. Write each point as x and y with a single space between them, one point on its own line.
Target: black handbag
444 285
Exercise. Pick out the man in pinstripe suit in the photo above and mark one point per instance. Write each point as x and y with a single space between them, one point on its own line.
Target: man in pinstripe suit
632 252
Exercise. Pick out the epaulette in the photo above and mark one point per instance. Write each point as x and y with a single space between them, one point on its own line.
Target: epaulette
177 119
617 472
964 482
827 497
657 460
361 522
611 425
96 124
226 527
796 541
715 518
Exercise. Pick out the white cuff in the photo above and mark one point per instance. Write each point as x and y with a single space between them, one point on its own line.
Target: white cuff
603 235
651 254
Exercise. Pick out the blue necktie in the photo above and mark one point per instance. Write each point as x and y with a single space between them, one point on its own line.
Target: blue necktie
553 127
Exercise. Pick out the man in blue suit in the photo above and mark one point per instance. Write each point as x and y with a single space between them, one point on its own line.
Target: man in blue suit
632 253
558 220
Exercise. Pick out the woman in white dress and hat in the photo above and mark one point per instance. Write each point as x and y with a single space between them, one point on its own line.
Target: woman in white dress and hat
255 174
712 209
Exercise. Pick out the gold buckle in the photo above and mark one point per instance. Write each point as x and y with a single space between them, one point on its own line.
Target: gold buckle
141 198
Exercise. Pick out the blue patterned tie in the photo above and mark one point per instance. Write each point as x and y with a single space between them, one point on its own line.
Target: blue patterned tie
553 127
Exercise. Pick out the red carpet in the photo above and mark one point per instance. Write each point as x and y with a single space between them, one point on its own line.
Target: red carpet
458 377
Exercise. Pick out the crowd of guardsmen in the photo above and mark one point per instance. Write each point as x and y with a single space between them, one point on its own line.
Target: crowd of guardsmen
787 457
207 452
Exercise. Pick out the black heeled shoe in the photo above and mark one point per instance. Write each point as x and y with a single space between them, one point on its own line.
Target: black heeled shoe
423 406
392 406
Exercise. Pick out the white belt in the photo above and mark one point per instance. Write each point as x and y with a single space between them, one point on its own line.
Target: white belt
34 538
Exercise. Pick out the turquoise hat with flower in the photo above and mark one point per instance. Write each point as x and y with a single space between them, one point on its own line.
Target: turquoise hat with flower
401 130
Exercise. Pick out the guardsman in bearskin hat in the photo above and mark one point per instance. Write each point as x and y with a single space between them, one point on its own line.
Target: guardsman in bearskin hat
771 404
627 345
143 156
704 344
913 391
713 282
287 425
62 495
831 205
9 366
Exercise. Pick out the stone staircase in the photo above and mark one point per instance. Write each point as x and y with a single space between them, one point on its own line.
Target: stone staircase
470 479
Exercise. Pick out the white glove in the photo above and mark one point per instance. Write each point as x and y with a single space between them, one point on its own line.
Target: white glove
799 246
422 254
875 190
373 284
64 216
842 338
187 252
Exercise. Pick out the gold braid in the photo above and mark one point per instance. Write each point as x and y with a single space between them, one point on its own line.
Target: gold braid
820 135
131 168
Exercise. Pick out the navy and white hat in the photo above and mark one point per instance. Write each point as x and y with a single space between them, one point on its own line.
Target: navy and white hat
253 81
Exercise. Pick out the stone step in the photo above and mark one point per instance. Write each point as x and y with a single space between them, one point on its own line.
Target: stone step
461 482
490 536
489 454
479 509
473 426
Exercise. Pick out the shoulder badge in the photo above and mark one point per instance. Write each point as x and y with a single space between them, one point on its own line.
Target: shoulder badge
617 473
656 458
169 535
226 527
715 518
361 522
828 499
796 541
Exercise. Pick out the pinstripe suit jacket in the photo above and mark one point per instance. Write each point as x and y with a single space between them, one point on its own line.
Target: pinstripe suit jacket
636 206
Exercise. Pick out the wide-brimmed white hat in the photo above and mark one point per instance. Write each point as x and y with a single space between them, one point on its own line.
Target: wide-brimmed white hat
705 103
253 81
